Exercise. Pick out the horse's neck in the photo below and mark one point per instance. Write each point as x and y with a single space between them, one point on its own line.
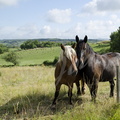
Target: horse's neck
90 50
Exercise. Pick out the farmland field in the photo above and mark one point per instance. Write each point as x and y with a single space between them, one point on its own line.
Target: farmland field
34 56
39 55
26 92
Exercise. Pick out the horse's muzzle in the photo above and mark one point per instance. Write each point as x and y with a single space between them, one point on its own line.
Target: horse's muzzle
74 73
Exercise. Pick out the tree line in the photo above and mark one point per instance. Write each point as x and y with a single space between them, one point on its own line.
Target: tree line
31 44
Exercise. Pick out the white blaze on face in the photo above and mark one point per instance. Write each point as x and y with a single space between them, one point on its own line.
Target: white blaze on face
82 59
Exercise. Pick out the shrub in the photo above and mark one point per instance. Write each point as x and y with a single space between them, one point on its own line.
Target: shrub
3 49
11 57
47 62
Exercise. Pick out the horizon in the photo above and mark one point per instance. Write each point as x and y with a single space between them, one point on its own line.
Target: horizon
99 39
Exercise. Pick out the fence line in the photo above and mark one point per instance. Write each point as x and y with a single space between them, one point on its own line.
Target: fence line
118 84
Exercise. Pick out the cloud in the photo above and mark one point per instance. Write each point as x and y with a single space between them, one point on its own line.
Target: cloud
45 30
8 2
21 32
108 5
98 28
94 28
101 6
59 16
25 32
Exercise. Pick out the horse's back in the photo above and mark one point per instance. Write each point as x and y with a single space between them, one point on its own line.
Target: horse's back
102 66
113 57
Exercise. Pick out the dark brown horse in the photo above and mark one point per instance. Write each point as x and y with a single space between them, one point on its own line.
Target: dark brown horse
66 72
95 67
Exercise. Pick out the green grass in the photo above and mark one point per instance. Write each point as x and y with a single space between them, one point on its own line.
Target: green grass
38 56
27 93
34 56
101 47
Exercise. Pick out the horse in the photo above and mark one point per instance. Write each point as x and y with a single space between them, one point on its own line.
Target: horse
66 72
96 68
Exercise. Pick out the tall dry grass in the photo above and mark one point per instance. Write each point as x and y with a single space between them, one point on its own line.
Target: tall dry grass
27 93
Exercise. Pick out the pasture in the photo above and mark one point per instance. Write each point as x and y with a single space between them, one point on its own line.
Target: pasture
27 93
39 55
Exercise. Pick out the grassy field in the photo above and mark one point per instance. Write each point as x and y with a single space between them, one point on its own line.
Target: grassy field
34 56
26 93
38 56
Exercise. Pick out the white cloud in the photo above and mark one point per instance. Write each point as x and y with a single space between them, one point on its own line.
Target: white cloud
98 28
101 6
108 5
59 16
8 2
6 32
45 30
26 31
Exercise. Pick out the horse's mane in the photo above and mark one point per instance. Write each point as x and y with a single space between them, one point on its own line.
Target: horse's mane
89 49
68 51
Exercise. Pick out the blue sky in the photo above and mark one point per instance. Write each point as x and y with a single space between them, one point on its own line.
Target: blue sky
29 19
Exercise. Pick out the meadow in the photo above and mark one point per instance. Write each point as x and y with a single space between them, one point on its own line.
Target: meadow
26 92
39 55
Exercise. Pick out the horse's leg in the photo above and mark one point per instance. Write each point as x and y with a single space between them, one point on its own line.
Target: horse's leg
93 90
78 87
70 93
56 94
112 84
83 86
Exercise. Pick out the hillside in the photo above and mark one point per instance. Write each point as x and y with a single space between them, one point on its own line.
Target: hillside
39 55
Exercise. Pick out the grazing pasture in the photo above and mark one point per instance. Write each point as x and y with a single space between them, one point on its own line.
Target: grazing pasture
27 93
39 55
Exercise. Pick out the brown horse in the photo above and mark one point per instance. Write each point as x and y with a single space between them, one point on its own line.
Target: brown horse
66 72
95 67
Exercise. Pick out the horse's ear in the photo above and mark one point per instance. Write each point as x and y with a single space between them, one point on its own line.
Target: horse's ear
62 47
74 45
77 39
85 38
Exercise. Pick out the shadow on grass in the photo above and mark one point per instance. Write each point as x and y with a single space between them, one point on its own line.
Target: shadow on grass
35 105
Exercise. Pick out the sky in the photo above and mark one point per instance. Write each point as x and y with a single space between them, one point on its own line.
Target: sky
32 19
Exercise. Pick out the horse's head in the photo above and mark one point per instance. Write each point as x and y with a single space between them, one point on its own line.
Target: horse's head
69 59
81 50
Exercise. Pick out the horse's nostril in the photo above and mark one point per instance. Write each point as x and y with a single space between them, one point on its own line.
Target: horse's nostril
74 73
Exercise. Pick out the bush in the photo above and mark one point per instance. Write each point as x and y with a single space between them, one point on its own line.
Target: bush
47 63
3 49
11 57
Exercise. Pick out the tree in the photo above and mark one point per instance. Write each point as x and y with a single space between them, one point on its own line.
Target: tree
3 48
115 41
11 57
